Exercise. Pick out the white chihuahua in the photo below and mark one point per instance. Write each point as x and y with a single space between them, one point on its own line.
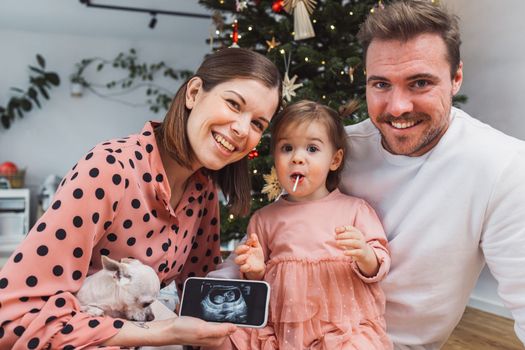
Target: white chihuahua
122 289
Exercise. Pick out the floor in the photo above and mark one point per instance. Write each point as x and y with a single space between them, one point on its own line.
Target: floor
479 330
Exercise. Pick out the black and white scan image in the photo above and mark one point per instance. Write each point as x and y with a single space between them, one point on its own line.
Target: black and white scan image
224 303
244 303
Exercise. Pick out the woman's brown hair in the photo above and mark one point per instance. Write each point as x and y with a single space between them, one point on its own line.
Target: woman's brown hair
217 68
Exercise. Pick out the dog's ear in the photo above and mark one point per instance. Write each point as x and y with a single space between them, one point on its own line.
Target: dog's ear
127 260
120 270
110 264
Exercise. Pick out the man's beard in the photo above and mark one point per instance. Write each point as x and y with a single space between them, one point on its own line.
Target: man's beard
424 140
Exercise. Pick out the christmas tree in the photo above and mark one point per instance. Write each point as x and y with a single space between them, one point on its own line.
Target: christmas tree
314 45
324 65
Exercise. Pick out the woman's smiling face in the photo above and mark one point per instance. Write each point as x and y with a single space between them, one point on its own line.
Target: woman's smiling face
227 122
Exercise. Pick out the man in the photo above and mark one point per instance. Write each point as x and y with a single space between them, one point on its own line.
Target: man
449 189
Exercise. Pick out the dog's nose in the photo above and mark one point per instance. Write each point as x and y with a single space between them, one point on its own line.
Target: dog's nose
150 317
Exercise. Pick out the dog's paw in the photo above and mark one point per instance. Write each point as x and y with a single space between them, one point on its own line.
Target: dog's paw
92 310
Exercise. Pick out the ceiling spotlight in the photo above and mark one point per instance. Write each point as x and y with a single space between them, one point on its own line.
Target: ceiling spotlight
153 21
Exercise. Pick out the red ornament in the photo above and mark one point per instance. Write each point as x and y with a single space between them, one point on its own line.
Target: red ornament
277 6
253 154
235 36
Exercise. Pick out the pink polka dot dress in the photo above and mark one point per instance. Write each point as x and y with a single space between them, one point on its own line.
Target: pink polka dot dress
113 202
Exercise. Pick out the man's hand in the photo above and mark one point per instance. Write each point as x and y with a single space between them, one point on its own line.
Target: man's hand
354 244
250 258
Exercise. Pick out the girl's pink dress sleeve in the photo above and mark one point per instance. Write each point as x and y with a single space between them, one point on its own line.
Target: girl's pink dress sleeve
255 226
367 221
38 308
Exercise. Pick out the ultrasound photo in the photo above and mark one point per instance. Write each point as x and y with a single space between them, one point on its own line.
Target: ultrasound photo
236 301
222 303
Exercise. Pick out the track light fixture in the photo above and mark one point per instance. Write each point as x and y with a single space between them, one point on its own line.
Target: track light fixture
153 21
152 12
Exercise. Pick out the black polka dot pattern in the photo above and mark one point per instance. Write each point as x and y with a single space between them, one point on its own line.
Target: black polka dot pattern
93 323
118 324
94 172
31 281
33 343
56 205
42 250
113 203
19 330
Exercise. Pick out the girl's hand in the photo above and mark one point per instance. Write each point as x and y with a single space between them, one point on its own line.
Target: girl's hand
354 244
250 258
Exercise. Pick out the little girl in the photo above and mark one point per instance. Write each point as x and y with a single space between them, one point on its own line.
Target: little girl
323 274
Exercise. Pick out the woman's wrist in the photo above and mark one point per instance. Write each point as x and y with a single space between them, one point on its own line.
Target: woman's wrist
152 333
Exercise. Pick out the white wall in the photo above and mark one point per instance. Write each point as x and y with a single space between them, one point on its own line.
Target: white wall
51 139
494 71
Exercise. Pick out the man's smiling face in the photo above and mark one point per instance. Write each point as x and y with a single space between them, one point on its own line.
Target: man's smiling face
409 92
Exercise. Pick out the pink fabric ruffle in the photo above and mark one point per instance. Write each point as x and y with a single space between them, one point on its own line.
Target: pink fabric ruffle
326 289
319 304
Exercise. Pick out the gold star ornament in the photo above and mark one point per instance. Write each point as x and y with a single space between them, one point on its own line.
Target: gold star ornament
272 44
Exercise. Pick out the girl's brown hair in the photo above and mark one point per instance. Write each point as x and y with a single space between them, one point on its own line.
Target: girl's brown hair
217 68
306 111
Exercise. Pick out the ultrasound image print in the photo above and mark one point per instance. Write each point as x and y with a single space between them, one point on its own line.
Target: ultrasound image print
224 303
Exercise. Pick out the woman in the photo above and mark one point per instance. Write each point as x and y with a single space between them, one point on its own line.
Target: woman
151 196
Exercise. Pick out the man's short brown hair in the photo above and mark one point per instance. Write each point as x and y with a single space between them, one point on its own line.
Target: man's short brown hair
405 19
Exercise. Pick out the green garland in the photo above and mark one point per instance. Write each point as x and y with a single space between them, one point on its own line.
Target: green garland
24 100
138 75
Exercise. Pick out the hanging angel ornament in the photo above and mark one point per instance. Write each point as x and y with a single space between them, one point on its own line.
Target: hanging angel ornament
302 9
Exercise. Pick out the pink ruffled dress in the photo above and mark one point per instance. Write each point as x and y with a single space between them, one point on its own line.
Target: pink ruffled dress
319 299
